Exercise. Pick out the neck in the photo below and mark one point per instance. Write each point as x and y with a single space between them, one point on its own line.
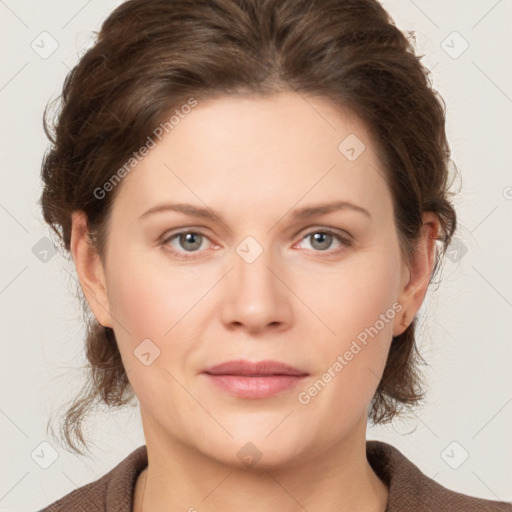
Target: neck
180 478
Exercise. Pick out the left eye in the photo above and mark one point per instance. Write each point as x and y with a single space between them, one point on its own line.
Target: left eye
322 240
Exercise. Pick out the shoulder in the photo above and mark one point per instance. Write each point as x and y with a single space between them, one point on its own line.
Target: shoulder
113 490
410 489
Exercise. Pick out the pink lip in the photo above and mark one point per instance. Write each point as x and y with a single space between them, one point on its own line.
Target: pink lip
242 367
245 379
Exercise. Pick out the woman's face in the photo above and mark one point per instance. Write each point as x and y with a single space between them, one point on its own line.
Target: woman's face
322 292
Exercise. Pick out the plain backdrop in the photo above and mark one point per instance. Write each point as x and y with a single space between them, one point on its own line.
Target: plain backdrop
462 435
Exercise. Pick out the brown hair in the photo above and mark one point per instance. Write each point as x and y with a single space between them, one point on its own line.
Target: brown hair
151 56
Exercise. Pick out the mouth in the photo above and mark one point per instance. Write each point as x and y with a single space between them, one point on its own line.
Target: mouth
256 369
245 379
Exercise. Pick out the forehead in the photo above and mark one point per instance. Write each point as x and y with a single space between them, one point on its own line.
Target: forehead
260 153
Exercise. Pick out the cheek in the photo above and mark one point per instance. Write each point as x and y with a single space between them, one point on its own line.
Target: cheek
357 296
359 305
148 299
148 313
136 302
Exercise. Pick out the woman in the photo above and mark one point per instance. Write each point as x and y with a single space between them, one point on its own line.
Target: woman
298 148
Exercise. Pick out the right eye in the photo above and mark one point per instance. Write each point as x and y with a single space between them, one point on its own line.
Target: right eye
189 241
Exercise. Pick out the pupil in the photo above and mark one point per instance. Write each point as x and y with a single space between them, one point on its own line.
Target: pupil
189 238
321 237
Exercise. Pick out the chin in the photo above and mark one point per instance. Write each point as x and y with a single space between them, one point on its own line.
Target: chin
253 449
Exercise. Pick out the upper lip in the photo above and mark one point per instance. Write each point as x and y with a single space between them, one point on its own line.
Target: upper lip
242 367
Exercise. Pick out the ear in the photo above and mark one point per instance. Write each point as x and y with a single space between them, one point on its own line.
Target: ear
417 272
89 269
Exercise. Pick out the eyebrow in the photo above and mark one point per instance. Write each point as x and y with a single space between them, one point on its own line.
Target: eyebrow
300 213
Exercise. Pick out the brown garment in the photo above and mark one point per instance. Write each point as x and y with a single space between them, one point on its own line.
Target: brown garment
409 489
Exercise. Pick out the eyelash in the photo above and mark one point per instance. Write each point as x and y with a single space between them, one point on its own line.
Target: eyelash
196 254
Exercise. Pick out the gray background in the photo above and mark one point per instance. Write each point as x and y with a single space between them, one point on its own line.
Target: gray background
465 333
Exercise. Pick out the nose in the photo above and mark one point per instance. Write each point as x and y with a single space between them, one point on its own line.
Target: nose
256 296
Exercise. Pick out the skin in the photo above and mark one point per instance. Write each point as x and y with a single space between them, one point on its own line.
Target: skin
253 161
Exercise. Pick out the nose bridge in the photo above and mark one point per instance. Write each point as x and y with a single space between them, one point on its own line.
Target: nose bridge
256 297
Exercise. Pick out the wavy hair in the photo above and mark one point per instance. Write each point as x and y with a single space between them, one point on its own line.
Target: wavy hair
150 56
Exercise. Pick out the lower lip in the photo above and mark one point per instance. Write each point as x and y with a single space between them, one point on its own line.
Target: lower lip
255 387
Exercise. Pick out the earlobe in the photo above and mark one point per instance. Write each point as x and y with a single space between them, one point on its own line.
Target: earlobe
89 269
420 270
